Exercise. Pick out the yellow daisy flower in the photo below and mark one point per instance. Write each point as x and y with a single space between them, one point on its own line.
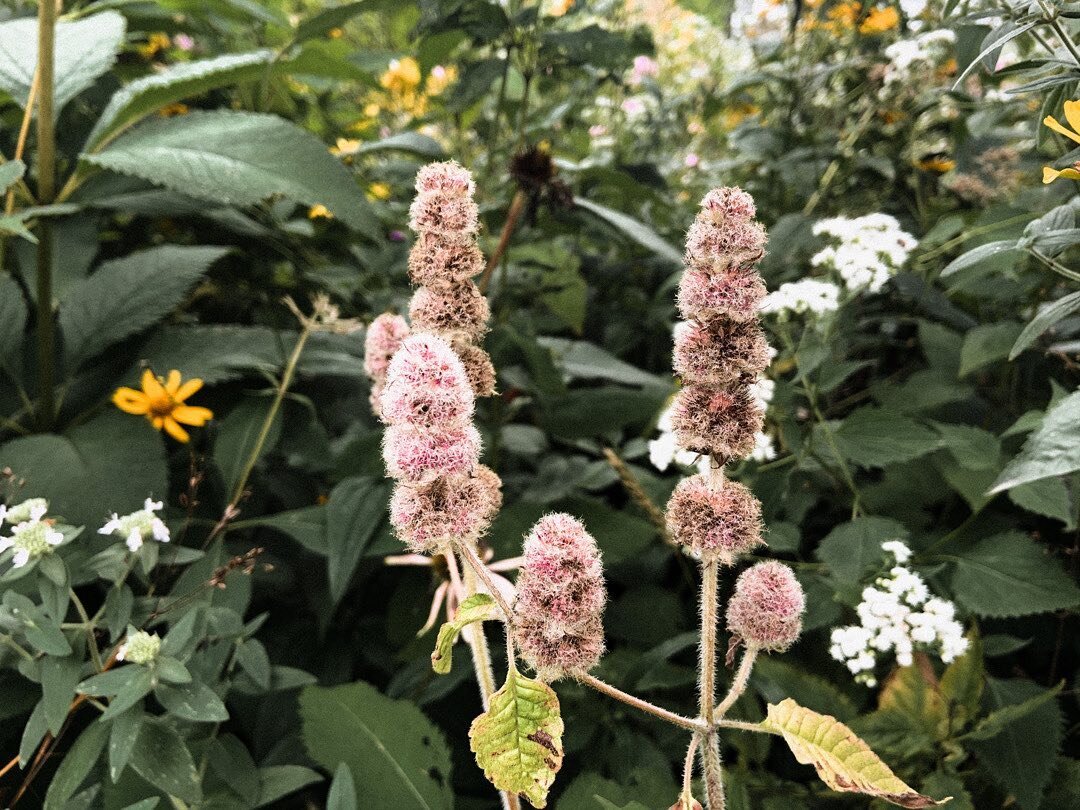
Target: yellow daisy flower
879 20
319 211
1072 115
161 401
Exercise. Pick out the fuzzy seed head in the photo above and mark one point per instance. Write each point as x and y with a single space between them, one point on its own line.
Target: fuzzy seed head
715 522
767 606
426 385
719 351
438 259
419 455
560 599
732 292
716 420
458 507
478 367
454 308
726 205
383 338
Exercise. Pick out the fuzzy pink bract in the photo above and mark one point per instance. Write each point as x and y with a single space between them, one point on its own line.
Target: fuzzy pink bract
459 307
426 385
732 293
716 522
720 351
716 420
383 338
767 606
438 259
560 599
422 454
458 507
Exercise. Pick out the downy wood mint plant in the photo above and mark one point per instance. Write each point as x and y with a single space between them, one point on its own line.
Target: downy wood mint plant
445 500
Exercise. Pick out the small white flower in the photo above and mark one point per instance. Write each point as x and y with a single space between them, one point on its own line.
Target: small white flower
30 539
139 526
900 551
30 509
808 295
139 647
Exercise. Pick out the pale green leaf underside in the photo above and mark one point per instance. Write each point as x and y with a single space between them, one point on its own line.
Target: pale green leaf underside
633 228
843 761
518 740
477 608
1053 449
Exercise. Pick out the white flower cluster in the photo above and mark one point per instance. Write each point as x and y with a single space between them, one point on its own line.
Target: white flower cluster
138 526
897 614
139 647
807 295
871 250
762 20
907 57
31 535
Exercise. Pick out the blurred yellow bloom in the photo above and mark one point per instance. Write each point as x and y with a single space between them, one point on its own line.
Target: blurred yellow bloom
161 401
879 20
335 33
843 15
154 44
345 146
937 164
379 191
440 78
371 111
176 108
1050 175
1072 115
402 76
558 8
319 211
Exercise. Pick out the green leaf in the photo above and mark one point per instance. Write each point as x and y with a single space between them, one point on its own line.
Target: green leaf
635 229
281 780
1053 449
987 344
874 437
33 733
215 353
583 360
307 526
972 447
775 680
402 755
1050 497
175 83
1000 719
518 740
84 49
136 689
357 507
978 254
109 463
1011 575
125 296
413 142
253 660
963 680
59 677
1043 320
230 759
162 759
238 434
342 794
42 632
1021 758
12 318
10 172
193 701
124 733
318 24
76 765
239 158
853 549
477 608
843 761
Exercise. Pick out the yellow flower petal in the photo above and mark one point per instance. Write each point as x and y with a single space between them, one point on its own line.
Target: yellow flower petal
1050 175
1072 114
151 386
131 401
173 382
187 389
174 430
1052 122
192 415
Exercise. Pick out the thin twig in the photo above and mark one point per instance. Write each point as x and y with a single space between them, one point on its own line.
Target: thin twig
690 724
517 206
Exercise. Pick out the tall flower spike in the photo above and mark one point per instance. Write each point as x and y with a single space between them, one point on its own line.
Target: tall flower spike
720 351
716 420
560 599
420 455
426 385
457 308
451 508
714 522
767 607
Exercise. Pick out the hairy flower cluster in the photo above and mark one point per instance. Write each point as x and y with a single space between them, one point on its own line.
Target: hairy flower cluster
560 599
139 526
442 263
383 339
767 607
455 506
714 522
32 536
898 615
867 250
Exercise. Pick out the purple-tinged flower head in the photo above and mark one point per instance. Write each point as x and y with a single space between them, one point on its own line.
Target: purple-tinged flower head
719 351
419 455
717 522
767 607
455 308
724 234
716 420
478 367
458 507
733 293
383 338
727 205
438 259
560 599
444 201
426 385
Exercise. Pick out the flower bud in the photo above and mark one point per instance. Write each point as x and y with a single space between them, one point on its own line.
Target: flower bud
449 178
383 338
457 507
454 308
438 259
426 385
720 351
419 455
715 420
766 609
715 522
560 599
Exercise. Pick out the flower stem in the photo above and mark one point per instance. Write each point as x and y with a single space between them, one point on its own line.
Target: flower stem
714 773
468 553
88 623
46 189
687 797
738 686
517 206
710 583
690 724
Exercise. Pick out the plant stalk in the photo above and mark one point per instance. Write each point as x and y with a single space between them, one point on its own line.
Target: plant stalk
690 724
46 187
738 686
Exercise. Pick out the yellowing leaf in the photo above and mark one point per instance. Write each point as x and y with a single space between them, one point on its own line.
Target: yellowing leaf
842 760
477 608
518 740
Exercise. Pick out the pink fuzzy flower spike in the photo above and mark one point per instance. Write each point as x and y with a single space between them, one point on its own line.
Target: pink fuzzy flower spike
767 606
444 203
720 351
383 338
560 599
714 522
426 385
420 455
453 508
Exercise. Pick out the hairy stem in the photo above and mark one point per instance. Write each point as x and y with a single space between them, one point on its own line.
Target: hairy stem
738 686
714 773
690 724
469 555
710 582
88 623
46 190
687 797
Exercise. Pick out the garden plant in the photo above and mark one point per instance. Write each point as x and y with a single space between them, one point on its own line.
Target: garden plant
512 403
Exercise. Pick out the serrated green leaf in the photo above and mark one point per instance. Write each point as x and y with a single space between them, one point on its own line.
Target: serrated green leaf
853 549
1010 575
84 49
518 740
1053 449
987 344
127 295
1000 719
843 761
477 608
238 158
874 437
193 701
1050 497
